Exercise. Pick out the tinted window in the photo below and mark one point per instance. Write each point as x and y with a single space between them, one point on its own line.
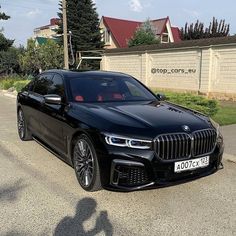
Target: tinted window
107 89
29 86
42 84
135 90
57 86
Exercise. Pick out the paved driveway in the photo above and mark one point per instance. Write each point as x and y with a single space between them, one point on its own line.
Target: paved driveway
39 195
229 133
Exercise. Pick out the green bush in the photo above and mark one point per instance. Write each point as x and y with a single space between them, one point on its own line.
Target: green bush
18 85
199 103
6 84
14 81
13 77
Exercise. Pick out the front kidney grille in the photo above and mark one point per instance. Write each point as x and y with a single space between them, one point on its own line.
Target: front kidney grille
173 146
204 141
183 145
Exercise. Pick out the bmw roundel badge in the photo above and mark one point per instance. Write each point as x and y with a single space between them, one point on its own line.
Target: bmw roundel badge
186 128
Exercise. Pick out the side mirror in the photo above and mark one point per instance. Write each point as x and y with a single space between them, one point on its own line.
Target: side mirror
52 99
161 97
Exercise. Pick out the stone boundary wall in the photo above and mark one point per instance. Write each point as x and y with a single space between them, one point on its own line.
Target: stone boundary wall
208 67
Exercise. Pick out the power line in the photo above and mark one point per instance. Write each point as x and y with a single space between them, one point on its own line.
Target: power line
36 2
27 7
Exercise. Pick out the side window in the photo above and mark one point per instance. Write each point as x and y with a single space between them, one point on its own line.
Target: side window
29 87
57 86
42 84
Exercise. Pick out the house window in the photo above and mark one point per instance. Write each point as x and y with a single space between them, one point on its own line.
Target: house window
165 38
107 36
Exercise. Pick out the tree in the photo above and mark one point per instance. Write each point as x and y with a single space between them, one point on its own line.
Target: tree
144 35
197 30
5 44
8 54
3 16
83 22
9 60
41 57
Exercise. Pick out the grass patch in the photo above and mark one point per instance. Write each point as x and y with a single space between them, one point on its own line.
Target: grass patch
16 82
19 85
223 112
6 84
226 114
206 106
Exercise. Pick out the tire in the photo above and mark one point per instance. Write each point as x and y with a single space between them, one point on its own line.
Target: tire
86 164
23 131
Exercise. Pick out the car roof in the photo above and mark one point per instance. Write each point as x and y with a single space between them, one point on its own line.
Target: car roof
70 73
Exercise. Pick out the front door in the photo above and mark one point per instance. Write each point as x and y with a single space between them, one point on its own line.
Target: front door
54 122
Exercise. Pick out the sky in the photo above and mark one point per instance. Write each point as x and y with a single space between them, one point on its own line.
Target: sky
29 14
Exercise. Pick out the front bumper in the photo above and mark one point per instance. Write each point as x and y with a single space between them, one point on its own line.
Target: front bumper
129 172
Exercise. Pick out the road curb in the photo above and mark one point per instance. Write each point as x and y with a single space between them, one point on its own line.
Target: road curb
8 94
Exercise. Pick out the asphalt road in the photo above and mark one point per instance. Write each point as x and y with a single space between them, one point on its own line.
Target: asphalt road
39 195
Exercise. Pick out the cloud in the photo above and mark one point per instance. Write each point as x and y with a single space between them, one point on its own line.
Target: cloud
33 13
135 5
193 13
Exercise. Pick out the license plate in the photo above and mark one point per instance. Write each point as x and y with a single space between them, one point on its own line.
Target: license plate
191 164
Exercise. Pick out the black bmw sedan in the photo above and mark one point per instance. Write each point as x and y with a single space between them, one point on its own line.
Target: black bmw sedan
115 132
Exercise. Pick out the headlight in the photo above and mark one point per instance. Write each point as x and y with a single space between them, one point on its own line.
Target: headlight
120 141
216 126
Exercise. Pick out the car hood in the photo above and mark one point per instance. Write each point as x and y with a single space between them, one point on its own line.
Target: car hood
143 117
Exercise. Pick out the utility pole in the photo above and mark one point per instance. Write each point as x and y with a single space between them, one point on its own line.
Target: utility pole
65 39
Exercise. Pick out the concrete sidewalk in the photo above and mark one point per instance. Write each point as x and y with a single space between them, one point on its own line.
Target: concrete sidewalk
229 134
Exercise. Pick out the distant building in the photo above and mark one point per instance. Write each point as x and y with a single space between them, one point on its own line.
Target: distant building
41 34
117 32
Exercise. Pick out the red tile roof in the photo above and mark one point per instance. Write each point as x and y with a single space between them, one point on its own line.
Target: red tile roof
159 25
176 34
122 30
53 22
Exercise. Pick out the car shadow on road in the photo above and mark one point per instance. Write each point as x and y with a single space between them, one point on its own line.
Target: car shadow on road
73 226
10 192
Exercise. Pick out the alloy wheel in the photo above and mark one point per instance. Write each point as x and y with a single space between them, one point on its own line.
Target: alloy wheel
21 124
84 162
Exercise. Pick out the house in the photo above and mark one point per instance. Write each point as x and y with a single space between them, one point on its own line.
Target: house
41 34
117 32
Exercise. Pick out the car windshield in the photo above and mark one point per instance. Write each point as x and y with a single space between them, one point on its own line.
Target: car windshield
108 89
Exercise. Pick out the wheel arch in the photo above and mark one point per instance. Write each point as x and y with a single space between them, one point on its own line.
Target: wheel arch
75 135
18 107
92 135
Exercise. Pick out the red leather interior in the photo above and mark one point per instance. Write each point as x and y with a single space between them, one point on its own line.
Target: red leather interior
79 98
117 96
113 96
100 98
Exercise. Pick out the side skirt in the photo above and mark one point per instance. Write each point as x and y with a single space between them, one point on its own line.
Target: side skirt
53 151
